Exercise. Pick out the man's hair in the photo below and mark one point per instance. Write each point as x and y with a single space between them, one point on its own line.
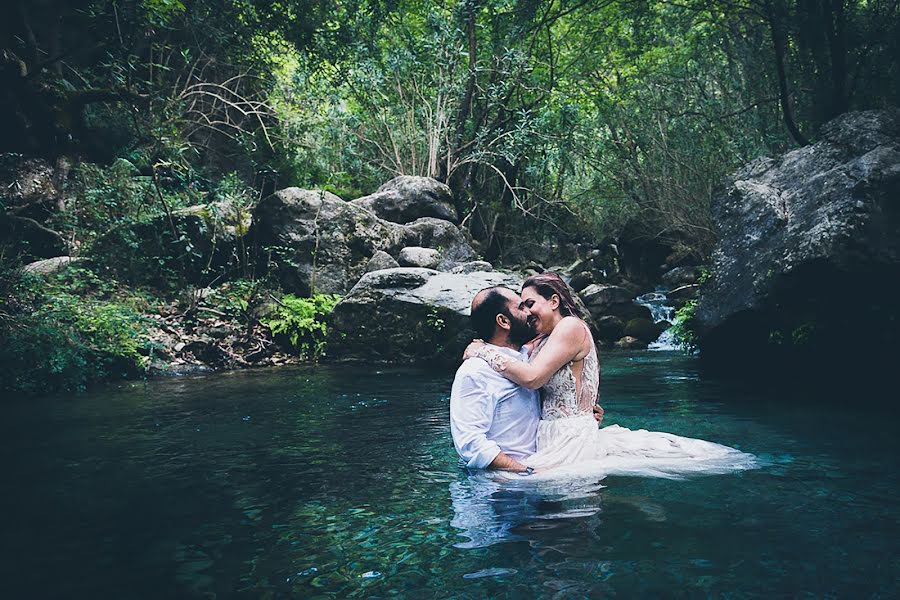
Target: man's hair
484 313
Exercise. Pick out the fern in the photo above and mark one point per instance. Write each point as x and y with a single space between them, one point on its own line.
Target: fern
303 322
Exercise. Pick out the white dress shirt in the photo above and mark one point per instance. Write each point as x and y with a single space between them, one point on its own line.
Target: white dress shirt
489 413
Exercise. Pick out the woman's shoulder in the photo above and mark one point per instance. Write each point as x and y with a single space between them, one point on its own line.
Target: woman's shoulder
570 327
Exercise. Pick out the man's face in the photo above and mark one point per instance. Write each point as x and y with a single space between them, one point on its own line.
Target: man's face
520 331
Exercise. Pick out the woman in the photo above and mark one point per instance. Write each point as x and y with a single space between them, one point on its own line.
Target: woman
565 366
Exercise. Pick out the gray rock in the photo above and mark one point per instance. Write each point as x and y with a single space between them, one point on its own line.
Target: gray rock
381 260
408 315
471 267
415 256
407 198
444 237
610 328
49 266
225 221
581 280
643 329
681 276
805 239
324 244
611 300
599 297
32 187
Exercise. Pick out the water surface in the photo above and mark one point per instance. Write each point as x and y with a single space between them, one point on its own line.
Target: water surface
342 482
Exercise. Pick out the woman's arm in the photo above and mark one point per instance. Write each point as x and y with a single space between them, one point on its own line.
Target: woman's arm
565 343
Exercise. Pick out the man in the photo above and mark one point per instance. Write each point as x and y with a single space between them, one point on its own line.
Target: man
493 420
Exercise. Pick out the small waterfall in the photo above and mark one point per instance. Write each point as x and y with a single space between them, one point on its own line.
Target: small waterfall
660 311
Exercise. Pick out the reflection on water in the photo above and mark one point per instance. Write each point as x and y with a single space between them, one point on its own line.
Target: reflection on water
333 482
488 510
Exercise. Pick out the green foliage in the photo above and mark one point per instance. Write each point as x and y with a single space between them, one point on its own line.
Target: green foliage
435 321
103 197
303 322
803 334
234 299
683 327
69 341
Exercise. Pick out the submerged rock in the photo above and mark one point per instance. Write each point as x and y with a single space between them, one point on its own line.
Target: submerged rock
809 251
409 315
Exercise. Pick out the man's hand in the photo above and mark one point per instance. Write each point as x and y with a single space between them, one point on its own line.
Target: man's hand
506 463
598 413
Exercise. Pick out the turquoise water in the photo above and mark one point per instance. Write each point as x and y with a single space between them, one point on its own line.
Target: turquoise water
340 482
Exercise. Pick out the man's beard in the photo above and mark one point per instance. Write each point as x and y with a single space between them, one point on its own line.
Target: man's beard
520 331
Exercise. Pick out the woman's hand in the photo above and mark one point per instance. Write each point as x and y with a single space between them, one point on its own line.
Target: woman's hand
598 413
473 348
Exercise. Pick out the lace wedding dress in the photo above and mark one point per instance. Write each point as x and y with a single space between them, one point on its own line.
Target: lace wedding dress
568 436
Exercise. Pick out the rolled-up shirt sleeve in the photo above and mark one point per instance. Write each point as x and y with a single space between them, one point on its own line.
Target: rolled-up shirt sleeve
471 414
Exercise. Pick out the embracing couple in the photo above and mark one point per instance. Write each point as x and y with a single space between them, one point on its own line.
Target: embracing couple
525 398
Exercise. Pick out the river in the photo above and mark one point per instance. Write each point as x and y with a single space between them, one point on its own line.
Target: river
339 481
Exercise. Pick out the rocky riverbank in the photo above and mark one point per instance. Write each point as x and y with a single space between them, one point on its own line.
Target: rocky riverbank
806 262
217 285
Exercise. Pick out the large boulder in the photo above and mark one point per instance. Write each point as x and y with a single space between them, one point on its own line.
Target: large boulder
409 315
407 198
600 298
809 251
320 243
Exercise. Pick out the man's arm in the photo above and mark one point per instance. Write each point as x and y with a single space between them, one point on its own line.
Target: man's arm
505 463
471 414
563 346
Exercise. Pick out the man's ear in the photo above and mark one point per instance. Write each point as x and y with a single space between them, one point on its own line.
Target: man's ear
503 321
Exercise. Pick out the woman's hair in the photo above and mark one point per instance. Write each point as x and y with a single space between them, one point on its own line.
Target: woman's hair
550 283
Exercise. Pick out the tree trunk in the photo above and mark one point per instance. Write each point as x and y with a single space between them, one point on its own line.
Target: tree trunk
837 44
777 15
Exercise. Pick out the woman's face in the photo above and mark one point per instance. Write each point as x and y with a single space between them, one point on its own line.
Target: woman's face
541 311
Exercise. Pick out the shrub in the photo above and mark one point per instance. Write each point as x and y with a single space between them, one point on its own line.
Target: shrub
683 327
69 342
302 322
